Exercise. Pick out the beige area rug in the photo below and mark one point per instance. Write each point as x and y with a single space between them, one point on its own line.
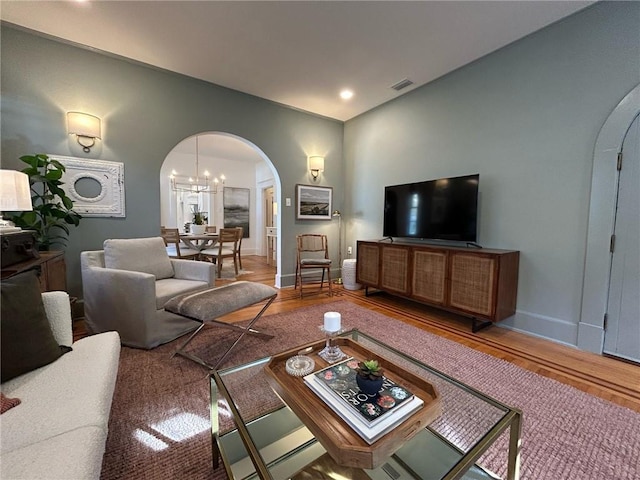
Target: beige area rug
159 426
229 272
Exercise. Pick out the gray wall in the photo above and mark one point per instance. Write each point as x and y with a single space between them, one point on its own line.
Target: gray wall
145 112
526 118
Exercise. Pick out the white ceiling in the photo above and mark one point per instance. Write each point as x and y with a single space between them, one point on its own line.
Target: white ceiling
299 54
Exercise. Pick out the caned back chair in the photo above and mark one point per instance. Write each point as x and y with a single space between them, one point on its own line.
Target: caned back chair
312 253
171 237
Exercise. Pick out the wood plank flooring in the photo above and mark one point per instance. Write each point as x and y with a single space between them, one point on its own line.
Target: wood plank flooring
608 378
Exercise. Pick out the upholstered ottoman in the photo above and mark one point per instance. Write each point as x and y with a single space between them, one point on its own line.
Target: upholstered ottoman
207 305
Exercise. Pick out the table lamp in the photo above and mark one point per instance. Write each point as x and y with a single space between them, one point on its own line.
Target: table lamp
15 196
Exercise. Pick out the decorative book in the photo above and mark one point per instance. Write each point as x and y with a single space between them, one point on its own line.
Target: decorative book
340 380
369 417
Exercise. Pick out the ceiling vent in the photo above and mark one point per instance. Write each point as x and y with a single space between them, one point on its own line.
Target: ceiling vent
402 84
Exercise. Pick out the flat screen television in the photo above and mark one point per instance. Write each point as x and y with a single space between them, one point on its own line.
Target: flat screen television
442 209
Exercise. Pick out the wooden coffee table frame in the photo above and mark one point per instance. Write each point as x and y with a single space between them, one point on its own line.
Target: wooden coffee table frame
511 420
341 441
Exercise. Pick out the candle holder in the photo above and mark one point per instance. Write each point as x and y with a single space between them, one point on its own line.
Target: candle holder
331 352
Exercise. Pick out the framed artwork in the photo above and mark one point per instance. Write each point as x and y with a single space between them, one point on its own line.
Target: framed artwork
236 209
313 203
95 186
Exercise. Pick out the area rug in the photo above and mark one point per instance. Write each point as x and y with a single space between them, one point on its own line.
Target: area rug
159 426
229 273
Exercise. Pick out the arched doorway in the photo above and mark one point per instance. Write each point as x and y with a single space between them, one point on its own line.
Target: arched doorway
246 170
622 329
602 207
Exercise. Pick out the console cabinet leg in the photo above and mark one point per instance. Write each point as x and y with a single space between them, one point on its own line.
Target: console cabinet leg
477 325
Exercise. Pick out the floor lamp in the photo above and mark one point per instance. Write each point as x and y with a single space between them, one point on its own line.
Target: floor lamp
336 213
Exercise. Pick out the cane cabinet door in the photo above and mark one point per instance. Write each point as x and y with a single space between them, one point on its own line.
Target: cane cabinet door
473 283
395 269
428 280
368 264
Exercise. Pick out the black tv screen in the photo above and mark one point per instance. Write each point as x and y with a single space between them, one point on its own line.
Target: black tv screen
442 209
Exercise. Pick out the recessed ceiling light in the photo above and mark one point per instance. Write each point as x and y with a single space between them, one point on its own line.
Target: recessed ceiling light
346 94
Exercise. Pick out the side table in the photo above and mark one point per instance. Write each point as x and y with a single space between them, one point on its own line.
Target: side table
51 267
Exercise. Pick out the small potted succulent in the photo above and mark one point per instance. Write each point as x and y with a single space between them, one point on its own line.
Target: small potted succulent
369 377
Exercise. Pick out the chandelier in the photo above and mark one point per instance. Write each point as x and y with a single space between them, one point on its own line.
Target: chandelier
197 184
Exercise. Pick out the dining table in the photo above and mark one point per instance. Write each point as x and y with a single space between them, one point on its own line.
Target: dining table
199 241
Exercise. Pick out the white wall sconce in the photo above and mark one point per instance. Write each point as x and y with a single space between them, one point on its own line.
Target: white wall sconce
85 127
316 165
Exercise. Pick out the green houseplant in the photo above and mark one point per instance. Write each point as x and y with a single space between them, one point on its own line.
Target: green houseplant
199 217
199 224
52 208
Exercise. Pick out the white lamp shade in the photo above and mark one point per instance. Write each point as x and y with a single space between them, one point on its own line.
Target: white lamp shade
15 192
83 124
316 163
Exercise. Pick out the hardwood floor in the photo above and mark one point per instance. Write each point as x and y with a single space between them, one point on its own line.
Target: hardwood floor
608 378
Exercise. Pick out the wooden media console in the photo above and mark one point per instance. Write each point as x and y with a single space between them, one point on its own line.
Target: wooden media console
478 283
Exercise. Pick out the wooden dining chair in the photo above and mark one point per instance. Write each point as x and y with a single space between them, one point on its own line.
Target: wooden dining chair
240 236
227 247
171 237
210 229
313 253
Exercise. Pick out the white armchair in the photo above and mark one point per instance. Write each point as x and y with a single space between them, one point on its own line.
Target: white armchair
126 285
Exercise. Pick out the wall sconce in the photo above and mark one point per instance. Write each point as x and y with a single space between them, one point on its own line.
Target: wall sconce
15 196
316 165
85 127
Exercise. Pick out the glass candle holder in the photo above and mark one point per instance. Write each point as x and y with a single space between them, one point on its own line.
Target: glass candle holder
331 352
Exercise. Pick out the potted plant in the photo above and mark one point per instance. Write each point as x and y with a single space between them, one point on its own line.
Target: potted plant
52 209
369 377
199 224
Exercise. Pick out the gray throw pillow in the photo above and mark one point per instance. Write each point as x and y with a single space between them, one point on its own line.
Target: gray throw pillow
27 341
146 255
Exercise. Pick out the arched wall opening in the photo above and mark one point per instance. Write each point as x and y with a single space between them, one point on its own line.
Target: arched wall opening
247 171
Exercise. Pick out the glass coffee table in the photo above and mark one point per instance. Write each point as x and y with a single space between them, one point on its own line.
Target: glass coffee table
257 435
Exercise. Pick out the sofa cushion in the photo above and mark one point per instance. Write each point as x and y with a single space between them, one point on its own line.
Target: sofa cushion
73 392
146 255
75 454
27 341
171 287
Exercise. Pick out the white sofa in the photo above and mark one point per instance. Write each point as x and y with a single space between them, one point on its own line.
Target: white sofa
59 429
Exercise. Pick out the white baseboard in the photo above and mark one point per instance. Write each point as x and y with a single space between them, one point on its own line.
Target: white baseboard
549 328
590 337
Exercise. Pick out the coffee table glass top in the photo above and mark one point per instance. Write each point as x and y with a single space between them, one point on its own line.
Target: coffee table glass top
258 436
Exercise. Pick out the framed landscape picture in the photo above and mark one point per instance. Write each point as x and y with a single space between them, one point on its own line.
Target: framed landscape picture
313 203
236 209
